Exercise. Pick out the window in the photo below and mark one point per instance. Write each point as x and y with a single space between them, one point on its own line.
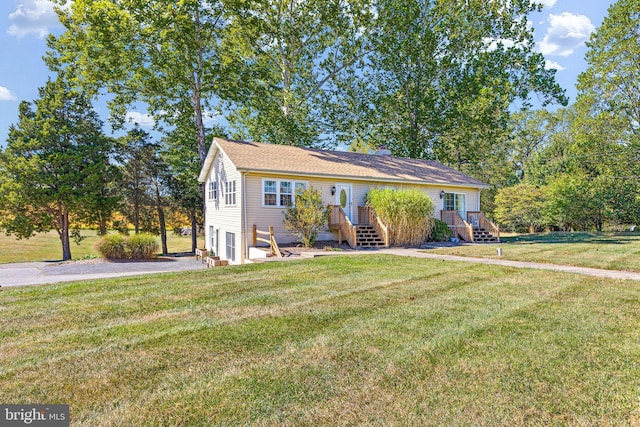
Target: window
231 246
230 193
280 193
212 242
286 193
455 202
213 190
270 193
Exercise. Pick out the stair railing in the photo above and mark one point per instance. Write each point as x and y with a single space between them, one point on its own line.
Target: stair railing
372 219
338 220
459 227
483 223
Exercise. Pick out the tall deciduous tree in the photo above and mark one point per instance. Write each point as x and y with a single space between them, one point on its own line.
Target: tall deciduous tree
162 52
611 82
443 75
55 165
283 57
182 172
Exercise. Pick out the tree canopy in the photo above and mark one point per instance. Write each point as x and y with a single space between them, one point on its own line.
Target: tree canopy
56 166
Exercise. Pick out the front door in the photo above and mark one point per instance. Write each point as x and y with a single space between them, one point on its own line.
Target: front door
343 199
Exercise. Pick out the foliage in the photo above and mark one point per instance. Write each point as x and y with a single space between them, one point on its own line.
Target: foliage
163 53
136 246
576 202
142 246
408 213
308 217
283 58
440 231
56 166
442 76
521 208
610 84
182 170
112 246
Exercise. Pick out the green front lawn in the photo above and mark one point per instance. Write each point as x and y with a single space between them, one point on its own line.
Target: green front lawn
47 247
344 340
607 251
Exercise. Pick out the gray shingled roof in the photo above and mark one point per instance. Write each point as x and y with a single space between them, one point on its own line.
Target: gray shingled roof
272 158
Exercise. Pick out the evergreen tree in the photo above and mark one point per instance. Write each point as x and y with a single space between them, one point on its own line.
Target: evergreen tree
56 166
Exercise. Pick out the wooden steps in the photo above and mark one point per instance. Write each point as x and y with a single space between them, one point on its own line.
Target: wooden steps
483 236
367 237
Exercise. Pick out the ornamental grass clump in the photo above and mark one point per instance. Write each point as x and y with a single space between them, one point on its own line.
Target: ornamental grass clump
142 246
112 246
408 214
138 246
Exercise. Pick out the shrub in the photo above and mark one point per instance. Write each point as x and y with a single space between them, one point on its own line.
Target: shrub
521 208
440 232
112 246
142 246
138 246
308 217
407 213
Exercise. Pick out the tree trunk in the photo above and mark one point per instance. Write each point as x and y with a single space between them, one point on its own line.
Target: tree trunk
163 225
136 216
194 232
64 236
103 226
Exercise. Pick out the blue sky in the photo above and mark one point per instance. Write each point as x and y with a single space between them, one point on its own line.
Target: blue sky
560 31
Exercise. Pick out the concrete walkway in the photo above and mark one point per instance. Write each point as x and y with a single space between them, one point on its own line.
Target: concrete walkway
38 273
596 272
421 253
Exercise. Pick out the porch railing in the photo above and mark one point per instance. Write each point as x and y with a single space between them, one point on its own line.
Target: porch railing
339 221
367 216
479 220
459 227
270 240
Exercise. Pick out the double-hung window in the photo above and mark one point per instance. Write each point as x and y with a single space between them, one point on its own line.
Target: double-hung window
213 190
286 193
280 193
230 193
270 193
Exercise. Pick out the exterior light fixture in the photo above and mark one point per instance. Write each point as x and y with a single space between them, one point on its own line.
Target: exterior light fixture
442 194
333 190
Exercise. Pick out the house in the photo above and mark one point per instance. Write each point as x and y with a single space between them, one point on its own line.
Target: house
251 184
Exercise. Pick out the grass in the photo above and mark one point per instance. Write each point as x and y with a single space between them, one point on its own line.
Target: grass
47 247
607 251
343 340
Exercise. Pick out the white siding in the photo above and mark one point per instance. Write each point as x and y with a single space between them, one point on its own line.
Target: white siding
222 217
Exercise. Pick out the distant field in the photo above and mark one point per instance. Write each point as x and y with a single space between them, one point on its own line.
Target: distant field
607 251
345 340
47 247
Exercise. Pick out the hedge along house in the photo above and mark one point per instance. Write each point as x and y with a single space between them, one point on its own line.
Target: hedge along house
249 185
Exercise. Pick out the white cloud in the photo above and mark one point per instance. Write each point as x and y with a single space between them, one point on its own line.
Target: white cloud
553 65
211 117
32 16
566 32
548 3
142 120
6 94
